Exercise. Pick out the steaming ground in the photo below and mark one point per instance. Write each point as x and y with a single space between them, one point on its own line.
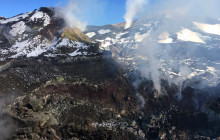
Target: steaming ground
186 55
176 23
133 7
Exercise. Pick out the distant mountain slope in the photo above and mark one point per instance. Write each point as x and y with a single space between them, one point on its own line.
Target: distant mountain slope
38 32
194 45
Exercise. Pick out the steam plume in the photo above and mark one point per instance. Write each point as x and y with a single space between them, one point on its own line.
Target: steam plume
149 49
173 16
70 13
133 7
184 72
76 13
140 98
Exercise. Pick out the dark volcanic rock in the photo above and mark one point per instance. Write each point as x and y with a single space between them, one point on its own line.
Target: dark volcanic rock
215 106
84 94
187 99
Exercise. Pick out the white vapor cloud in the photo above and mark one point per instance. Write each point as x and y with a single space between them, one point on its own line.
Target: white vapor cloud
194 8
172 15
184 72
71 13
149 48
133 7
141 100
76 13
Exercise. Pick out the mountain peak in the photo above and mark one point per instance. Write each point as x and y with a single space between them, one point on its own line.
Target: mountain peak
34 33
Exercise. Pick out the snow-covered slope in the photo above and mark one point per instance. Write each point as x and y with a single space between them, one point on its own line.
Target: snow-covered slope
195 46
37 33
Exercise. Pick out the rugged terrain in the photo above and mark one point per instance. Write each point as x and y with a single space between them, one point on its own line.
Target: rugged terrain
59 83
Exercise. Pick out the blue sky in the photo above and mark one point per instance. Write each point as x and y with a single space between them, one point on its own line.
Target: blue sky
112 10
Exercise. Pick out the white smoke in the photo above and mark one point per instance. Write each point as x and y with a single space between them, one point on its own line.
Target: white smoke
141 100
133 7
76 13
149 49
173 15
184 73
71 14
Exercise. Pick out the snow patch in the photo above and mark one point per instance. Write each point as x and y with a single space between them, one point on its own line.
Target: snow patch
147 25
188 35
3 51
18 28
78 45
99 40
69 43
75 53
16 18
196 72
124 40
211 70
81 49
104 31
208 28
108 42
41 15
139 37
120 34
91 34
31 47
165 38
37 51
